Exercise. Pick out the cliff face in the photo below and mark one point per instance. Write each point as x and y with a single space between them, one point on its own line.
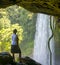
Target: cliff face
51 7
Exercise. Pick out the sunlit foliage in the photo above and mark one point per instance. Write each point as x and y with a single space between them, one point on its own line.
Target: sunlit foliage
21 19
6 29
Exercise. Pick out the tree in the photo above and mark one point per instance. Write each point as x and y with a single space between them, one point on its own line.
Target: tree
6 29
27 20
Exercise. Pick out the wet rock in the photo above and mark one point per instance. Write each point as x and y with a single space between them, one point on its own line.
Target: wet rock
6 58
29 61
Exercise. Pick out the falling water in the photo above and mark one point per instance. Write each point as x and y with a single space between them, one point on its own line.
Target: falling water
43 32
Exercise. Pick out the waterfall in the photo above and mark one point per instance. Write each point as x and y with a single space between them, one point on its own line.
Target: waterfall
43 32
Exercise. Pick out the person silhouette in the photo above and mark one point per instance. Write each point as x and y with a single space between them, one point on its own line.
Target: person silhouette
14 45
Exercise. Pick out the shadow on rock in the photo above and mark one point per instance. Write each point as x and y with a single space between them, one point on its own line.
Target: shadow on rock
7 59
29 61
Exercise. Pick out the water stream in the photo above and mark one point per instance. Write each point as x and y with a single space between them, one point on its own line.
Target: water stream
43 32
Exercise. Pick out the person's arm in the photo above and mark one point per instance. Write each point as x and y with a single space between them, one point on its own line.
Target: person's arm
17 39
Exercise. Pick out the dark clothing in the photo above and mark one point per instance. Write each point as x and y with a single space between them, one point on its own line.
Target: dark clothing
15 49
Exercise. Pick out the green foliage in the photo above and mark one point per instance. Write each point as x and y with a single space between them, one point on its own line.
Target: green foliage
5 36
57 30
21 19
27 48
6 29
25 19
57 36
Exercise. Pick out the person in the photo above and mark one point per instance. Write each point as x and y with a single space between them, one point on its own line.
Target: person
14 45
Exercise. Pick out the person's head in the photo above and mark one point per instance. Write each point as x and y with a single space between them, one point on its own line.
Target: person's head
15 31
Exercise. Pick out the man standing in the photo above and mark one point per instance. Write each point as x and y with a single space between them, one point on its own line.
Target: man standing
14 45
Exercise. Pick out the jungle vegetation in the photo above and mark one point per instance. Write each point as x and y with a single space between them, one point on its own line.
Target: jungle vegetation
24 21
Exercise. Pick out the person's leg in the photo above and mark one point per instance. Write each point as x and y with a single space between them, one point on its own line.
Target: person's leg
13 56
19 57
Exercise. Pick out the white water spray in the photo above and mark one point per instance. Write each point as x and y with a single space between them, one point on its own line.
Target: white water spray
43 32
